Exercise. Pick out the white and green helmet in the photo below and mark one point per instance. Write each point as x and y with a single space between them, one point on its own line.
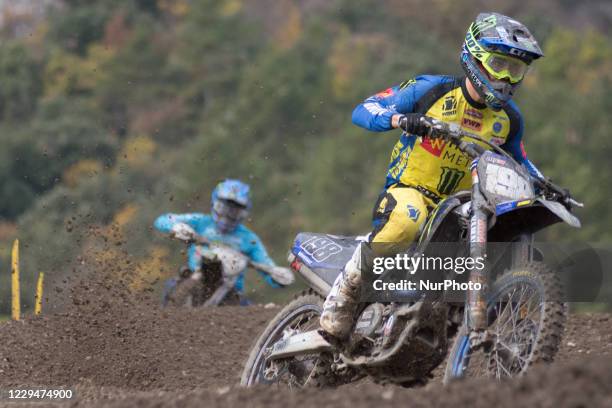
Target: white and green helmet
495 56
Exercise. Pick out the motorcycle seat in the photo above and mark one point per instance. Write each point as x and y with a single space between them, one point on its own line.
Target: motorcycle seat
325 254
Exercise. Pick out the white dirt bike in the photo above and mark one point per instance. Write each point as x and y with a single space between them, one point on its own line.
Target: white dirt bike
219 266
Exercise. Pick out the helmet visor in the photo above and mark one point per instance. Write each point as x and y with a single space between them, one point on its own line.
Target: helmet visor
229 213
501 67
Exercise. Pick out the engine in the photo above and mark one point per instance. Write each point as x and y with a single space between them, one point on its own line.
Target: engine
387 340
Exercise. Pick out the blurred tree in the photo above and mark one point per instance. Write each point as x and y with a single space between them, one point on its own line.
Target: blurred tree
81 170
214 44
78 24
20 82
566 132
61 134
143 90
68 74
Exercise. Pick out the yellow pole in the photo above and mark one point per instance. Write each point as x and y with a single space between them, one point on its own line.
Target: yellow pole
16 306
39 293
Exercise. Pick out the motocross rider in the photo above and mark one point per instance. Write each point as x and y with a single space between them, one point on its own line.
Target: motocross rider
231 203
495 56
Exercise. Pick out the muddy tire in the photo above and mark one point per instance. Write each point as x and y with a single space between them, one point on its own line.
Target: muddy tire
307 306
536 332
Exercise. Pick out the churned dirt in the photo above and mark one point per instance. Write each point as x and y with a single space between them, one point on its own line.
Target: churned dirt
117 349
148 357
154 350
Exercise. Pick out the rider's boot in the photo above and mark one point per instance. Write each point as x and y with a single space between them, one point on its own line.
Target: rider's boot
341 303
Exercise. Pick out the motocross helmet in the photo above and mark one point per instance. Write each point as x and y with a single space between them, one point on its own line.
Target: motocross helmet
496 55
231 203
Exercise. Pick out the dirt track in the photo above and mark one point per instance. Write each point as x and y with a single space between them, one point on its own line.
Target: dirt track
153 358
118 351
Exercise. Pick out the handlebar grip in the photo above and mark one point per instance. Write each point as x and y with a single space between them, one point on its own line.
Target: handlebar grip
575 203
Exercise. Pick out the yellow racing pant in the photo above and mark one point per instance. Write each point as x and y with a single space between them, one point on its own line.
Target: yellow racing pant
399 215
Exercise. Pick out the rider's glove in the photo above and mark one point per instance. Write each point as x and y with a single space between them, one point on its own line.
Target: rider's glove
183 232
419 125
282 276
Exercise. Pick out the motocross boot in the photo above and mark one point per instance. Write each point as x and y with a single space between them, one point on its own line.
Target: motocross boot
341 303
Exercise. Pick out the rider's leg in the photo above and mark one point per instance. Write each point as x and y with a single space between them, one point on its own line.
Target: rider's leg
400 213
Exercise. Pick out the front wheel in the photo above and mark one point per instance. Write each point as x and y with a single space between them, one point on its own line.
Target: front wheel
525 316
301 315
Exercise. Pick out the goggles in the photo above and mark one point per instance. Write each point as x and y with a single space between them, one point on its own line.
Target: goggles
501 67
230 211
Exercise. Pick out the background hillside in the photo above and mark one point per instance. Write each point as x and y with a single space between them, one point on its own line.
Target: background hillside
112 112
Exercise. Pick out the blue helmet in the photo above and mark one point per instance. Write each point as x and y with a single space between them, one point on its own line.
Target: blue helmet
495 56
231 202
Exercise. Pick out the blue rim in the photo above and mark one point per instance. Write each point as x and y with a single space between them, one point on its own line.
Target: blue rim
461 358
464 347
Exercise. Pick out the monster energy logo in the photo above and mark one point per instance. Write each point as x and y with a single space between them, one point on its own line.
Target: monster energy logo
485 24
449 180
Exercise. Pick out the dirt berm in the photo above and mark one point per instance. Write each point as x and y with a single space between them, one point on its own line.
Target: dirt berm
117 349
142 356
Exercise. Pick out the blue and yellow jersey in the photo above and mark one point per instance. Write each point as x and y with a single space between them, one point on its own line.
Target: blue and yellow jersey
437 165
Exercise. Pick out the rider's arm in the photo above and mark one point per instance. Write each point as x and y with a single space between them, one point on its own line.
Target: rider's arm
380 112
514 143
257 252
165 222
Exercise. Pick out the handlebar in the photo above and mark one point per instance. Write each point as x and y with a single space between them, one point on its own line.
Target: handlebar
575 203
455 134
199 240
279 274
559 191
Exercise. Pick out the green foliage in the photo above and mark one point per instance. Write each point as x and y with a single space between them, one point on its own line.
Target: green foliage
20 82
62 133
140 89
78 24
567 130
214 45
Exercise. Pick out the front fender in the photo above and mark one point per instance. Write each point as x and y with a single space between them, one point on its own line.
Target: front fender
560 211
528 216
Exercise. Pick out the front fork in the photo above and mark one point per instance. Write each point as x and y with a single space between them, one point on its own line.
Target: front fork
476 313
522 252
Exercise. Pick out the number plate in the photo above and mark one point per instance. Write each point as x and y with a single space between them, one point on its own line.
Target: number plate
501 180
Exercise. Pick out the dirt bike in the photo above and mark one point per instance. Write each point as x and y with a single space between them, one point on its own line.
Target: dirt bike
213 282
500 332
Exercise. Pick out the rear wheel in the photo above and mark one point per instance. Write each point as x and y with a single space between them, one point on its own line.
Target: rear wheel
301 315
526 318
